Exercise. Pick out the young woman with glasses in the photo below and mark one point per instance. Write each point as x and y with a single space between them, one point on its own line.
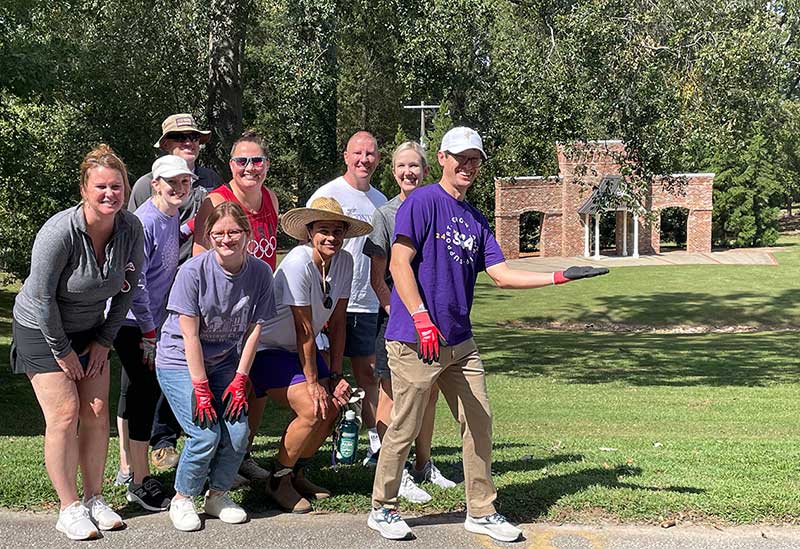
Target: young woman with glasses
312 287
217 305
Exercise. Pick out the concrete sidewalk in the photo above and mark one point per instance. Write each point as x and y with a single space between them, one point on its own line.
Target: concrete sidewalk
339 531
744 256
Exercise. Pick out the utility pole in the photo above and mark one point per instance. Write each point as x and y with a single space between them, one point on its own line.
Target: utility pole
421 107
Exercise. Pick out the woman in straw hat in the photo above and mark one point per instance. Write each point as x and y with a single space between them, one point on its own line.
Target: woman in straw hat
312 287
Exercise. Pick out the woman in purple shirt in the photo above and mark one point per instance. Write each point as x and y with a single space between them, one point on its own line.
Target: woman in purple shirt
216 308
136 341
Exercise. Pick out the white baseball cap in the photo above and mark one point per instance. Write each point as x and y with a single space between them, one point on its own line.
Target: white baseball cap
460 139
171 166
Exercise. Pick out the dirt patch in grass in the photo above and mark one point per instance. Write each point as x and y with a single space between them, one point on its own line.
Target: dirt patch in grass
643 328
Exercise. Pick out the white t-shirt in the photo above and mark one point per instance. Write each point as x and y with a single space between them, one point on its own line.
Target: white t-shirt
298 282
360 205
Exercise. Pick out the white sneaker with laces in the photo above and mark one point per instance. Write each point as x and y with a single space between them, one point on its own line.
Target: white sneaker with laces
388 523
74 521
103 516
251 470
224 508
410 491
183 515
432 474
495 526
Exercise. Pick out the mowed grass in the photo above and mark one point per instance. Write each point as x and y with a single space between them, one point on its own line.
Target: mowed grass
587 425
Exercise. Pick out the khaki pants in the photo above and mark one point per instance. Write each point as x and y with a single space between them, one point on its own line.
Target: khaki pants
462 381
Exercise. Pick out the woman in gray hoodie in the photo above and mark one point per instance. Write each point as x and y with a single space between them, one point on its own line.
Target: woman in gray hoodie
82 257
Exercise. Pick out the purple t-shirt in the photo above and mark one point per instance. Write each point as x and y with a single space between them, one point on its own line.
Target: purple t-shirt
453 243
226 304
161 248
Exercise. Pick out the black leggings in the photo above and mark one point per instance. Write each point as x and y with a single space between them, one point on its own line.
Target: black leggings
140 390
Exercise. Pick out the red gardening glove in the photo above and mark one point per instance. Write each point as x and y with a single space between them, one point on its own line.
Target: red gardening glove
574 273
235 398
428 337
204 415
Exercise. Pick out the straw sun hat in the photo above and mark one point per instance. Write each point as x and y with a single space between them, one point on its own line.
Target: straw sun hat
324 208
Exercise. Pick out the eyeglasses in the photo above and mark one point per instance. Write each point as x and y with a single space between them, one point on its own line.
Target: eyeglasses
326 289
243 161
234 235
180 137
463 160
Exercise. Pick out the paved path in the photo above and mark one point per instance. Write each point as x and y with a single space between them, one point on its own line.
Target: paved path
341 531
745 256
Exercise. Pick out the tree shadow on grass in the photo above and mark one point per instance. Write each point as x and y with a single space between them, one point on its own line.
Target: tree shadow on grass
643 359
529 501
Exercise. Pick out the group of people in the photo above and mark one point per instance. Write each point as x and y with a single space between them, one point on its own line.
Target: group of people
184 287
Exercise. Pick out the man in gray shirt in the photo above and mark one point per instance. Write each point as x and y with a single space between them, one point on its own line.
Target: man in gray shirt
181 137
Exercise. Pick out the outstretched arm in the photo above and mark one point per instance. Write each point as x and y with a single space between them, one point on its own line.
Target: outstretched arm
506 277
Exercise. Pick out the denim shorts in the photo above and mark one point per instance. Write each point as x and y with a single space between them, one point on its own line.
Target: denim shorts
381 358
276 368
361 330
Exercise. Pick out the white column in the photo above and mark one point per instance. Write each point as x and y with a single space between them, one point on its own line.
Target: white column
635 234
625 233
586 235
597 235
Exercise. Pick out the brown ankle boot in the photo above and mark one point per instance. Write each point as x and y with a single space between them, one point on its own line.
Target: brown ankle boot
283 493
307 488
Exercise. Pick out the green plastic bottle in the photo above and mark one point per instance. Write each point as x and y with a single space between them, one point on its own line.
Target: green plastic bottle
348 441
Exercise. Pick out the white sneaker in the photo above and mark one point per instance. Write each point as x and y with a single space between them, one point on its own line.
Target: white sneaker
103 516
495 526
433 475
183 515
224 508
252 470
74 521
410 491
388 523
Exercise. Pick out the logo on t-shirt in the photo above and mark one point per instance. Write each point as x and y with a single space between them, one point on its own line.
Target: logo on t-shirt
462 244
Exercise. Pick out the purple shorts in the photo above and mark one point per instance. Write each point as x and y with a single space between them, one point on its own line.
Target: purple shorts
276 368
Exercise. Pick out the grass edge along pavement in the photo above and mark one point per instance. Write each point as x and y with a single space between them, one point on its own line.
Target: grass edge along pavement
633 427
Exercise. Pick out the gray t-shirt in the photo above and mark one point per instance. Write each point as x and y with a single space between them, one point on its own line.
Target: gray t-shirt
67 290
207 181
379 241
226 305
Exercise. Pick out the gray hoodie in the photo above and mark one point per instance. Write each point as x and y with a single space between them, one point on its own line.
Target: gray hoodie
67 290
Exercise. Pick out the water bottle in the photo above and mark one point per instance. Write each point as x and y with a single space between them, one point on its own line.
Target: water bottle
348 440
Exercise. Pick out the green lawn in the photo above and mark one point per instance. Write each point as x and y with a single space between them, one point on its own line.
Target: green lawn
621 426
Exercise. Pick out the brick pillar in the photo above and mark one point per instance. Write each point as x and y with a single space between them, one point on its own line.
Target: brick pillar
698 231
619 232
550 240
507 235
649 238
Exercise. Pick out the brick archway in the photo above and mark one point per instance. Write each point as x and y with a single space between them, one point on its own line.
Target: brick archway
560 197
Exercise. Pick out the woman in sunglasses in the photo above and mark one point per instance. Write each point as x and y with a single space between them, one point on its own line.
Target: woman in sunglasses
217 305
312 287
249 165
82 257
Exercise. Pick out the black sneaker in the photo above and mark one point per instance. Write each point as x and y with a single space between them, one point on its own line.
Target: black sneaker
149 494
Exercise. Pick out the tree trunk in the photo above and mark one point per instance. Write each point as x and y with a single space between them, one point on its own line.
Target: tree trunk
226 53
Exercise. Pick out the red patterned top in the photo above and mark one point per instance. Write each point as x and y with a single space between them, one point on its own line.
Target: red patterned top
264 224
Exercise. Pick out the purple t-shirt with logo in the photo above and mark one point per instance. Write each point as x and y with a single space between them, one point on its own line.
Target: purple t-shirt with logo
226 304
453 243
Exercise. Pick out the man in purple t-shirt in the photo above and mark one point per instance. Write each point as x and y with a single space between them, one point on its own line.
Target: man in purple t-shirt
441 243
